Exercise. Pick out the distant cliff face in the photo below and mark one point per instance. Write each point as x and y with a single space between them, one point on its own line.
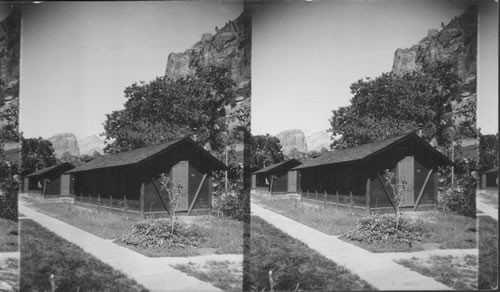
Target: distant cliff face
291 139
318 140
91 144
229 46
455 42
65 142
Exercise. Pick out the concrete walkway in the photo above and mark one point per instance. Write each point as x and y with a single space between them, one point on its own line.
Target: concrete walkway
382 273
152 273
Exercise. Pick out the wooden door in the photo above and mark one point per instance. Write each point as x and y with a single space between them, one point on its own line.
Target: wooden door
180 175
406 171
292 181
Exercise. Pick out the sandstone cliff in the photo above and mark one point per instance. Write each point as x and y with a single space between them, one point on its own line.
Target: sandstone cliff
91 144
65 142
292 139
318 140
455 42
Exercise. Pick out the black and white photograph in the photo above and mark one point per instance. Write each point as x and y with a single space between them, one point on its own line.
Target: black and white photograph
280 145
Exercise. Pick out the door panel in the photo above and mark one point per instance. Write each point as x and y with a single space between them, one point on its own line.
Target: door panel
405 170
180 175
292 181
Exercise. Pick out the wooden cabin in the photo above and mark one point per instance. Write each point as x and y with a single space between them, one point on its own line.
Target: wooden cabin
130 181
489 178
50 181
276 178
354 177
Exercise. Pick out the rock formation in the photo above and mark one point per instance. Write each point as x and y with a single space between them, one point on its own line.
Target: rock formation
455 42
230 47
316 141
91 144
65 142
292 139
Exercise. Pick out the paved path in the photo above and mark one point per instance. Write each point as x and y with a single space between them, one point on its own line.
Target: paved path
484 207
154 274
381 273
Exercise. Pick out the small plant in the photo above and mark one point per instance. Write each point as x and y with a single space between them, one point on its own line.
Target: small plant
398 187
381 228
460 199
234 205
174 194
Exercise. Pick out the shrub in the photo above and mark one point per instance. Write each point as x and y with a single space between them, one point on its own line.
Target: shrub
234 205
382 228
460 199
8 202
157 233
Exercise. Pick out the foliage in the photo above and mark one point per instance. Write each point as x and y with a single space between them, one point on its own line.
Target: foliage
460 199
9 188
167 109
174 195
488 253
234 205
158 233
488 151
392 105
382 228
398 187
44 253
263 150
292 263
36 153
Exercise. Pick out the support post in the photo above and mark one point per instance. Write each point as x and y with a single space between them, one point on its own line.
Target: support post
197 194
98 202
111 201
422 189
386 192
159 195
141 200
316 194
337 198
367 195
325 197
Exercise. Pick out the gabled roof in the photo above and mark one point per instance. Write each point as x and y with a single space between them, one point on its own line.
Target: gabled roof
139 155
368 150
291 163
64 166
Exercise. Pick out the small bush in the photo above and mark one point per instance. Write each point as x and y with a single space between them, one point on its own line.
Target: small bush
8 201
157 233
460 199
234 205
382 228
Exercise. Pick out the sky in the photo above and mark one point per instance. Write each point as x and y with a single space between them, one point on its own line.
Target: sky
77 58
305 56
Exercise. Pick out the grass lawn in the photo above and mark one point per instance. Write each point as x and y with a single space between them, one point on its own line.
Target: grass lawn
44 253
225 275
489 197
488 253
103 224
459 273
292 263
444 230
8 235
9 272
222 236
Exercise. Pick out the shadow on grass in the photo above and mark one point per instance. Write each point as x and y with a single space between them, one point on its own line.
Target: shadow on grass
9 235
488 253
224 275
293 264
44 253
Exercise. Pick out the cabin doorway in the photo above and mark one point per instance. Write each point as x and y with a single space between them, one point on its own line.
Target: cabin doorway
405 170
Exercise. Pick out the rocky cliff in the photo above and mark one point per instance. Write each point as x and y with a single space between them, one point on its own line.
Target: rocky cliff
318 140
455 42
229 46
65 142
91 144
292 139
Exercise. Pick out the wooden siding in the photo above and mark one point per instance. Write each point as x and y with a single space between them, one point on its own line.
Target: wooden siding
292 182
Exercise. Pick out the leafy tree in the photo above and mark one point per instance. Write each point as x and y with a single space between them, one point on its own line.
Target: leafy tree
488 151
391 105
36 153
166 109
264 150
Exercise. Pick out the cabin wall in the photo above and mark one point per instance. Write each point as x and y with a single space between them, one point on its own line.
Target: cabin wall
491 179
53 188
292 182
195 179
254 181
